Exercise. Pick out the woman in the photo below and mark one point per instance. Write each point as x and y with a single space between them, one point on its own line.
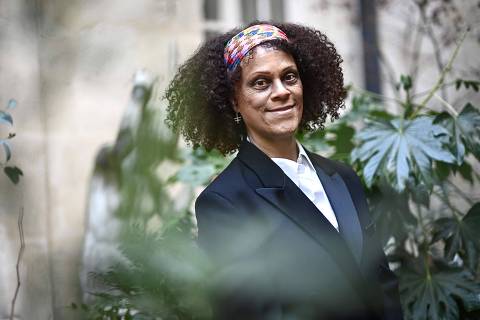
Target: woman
288 229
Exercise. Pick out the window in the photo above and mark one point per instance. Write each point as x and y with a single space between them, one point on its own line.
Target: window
222 15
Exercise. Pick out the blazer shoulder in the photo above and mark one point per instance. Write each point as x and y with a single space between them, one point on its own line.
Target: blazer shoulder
227 181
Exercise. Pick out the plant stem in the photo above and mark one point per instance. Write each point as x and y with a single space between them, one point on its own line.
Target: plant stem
440 80
422 223
376 95
422 93
447 105
19 258
390 72
435 44
417 45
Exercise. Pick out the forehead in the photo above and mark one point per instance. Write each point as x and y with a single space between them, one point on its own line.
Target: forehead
266 59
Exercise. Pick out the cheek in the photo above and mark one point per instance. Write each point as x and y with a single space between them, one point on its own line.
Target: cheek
299 92
253 100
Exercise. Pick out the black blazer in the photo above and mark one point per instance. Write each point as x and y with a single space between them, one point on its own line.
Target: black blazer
278 257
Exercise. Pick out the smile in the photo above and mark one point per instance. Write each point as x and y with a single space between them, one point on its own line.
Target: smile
282 109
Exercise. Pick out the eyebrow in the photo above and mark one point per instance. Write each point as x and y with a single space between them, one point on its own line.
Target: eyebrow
267 71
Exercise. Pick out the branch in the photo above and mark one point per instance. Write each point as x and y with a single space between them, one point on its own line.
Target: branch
417 46
447 105
422 93
20 254
440 80
435 44
375 95
389 71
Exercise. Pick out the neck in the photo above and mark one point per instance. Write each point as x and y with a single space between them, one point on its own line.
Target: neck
279 148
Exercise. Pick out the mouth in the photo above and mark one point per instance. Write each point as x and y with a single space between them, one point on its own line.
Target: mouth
282 109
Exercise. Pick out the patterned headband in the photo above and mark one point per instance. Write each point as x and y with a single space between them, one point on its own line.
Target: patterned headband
238 47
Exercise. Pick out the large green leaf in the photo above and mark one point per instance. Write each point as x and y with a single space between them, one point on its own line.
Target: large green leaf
461 236
438 294
398 148
465 130
391 213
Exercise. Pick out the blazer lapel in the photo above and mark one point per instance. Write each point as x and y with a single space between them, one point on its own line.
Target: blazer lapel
345 211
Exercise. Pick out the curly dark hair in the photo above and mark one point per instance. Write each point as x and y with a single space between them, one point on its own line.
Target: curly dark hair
200 95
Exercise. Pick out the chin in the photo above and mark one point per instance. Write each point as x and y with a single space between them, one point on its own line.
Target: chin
285 132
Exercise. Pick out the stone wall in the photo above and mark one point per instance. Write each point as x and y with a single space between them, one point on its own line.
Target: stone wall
69 64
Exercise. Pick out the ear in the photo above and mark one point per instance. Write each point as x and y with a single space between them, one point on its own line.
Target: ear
233 101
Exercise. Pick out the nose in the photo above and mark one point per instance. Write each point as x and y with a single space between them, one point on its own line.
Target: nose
279 91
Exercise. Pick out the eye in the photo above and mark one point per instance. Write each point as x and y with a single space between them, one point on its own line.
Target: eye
291 77
260 83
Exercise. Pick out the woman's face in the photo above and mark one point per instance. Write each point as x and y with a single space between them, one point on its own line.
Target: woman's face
269 94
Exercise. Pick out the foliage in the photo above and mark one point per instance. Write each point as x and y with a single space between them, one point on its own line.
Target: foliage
199 166
12 172
437 294
411 161
164 278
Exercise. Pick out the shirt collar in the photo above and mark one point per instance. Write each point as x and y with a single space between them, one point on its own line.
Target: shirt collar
302 155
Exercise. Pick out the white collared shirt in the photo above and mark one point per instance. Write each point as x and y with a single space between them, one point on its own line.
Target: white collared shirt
303 174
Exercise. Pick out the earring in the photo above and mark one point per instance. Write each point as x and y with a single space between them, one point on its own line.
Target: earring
237 118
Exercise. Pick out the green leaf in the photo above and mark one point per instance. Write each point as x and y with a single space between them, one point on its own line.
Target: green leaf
343 138
419 192
406 82
391 213
396 149
436 295
458 84
460 236
13 173
338 136
465 171
6 117
196 174
314 141
200 166
467 84
363 106
442 170
465 130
